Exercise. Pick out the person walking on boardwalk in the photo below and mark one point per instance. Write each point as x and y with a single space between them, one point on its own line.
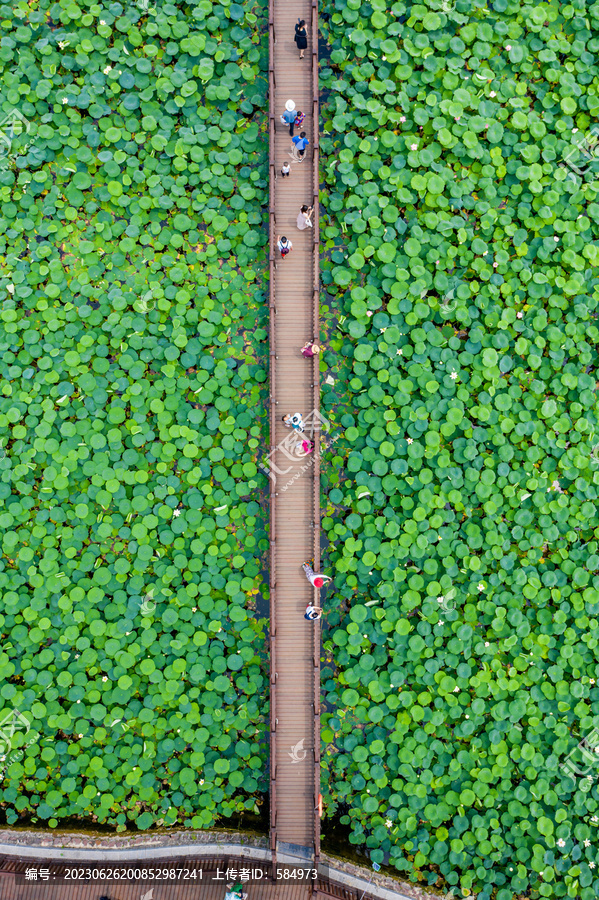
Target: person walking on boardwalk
317 581
299 120
301 37
303 218
294 421
285 170
300 143
289 116
310 349
312 612
285 246
235 891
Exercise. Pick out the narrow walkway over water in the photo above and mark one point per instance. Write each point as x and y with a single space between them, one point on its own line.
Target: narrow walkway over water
295 508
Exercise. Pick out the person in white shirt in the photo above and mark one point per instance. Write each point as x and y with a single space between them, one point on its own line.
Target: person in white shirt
284 245
294 421
312 612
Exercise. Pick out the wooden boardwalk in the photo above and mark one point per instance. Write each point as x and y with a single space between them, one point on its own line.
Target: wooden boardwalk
295 480
36 878
9 890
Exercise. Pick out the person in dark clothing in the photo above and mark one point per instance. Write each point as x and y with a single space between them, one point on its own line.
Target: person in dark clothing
301 37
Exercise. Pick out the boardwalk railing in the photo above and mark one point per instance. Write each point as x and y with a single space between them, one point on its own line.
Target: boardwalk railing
316 406
272 403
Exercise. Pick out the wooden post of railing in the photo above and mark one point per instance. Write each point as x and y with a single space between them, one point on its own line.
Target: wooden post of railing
316 381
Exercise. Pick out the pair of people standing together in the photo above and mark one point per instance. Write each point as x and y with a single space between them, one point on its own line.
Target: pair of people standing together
294 118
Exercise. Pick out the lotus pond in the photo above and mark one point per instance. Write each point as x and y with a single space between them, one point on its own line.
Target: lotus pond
132 409
460 222
462 515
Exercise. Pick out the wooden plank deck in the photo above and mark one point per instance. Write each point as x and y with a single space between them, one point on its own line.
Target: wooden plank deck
295 510
9 890
259 887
